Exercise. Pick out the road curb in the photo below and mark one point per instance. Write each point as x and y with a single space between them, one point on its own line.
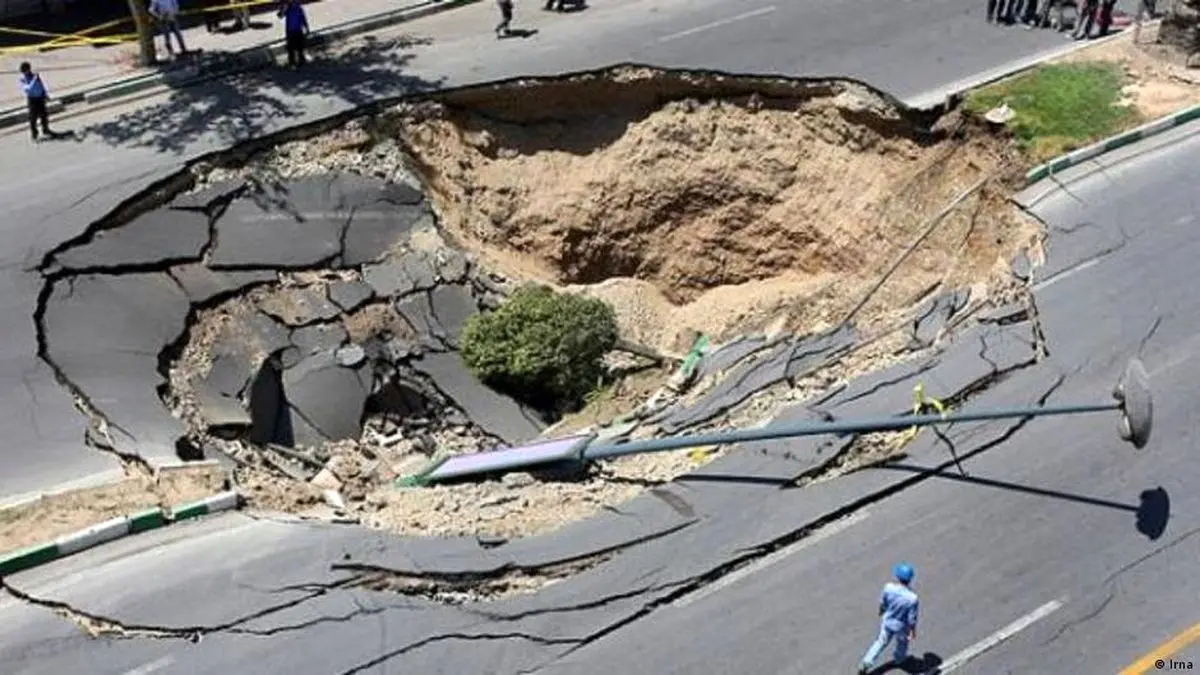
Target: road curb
1148 130
246 60
116 528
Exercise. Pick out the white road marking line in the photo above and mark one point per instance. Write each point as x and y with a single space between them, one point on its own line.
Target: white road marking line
717 24
781 554
960 659
152 667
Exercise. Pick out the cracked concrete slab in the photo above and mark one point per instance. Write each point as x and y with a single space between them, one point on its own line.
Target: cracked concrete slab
203 284
495 413
104 333
934 315
813 352
1073 246
317 338
299 306
154 238
739 385
350 295
326 396
205 198
296 224
417 311
229 373
730 354
452 305
222 411
772 462
887 392
371 235
401 274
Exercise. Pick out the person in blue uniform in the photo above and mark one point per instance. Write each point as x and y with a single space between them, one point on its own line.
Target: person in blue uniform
898 609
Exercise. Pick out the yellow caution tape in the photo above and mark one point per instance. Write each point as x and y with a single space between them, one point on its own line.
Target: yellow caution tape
921 403
701 453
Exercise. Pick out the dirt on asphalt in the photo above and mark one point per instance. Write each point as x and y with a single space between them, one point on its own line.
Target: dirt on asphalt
55 515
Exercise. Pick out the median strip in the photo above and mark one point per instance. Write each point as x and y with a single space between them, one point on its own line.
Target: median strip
113 529
1090 102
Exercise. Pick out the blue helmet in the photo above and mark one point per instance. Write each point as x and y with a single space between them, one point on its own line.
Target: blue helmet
903 572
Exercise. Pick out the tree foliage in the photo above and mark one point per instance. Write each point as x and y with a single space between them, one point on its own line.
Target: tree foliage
542 347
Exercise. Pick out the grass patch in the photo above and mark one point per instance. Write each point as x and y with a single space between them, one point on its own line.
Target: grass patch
1060 107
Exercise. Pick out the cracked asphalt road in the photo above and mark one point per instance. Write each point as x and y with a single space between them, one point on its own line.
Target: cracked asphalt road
986 554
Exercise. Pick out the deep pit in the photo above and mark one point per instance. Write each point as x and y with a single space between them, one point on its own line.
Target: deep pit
692 203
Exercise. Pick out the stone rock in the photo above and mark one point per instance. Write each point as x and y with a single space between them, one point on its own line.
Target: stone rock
350 295
318 338
451 266
517 480
350 356
326 480
299 306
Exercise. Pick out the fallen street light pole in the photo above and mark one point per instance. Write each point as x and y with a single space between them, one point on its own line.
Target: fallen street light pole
1132 401
1132 394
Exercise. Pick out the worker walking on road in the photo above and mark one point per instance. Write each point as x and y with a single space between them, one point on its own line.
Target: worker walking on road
36 96
506 16
898 618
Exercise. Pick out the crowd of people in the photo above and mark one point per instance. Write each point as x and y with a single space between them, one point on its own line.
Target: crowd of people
1085 15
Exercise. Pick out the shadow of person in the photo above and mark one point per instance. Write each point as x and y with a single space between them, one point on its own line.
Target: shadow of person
519 33
1154 510
61 136
927 664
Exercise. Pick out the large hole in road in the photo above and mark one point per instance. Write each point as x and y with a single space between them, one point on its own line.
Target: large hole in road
690 202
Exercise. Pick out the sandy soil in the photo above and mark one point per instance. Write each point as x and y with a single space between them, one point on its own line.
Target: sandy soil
1160 83
714 217
59 514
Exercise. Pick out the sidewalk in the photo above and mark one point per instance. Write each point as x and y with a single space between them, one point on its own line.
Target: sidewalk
73 69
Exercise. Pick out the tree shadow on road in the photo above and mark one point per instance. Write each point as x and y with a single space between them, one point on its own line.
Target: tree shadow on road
1152 512
235 108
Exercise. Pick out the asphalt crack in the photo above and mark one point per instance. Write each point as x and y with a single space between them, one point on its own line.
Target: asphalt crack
486 585
97 625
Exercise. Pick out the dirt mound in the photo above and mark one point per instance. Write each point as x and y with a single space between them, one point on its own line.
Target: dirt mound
769 198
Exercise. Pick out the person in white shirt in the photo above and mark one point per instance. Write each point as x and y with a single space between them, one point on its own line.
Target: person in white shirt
166 12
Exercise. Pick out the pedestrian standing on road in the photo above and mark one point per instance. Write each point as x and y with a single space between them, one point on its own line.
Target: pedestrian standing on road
1085 17
506 15
166 13
36 96
295 30
1106 16
898 607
